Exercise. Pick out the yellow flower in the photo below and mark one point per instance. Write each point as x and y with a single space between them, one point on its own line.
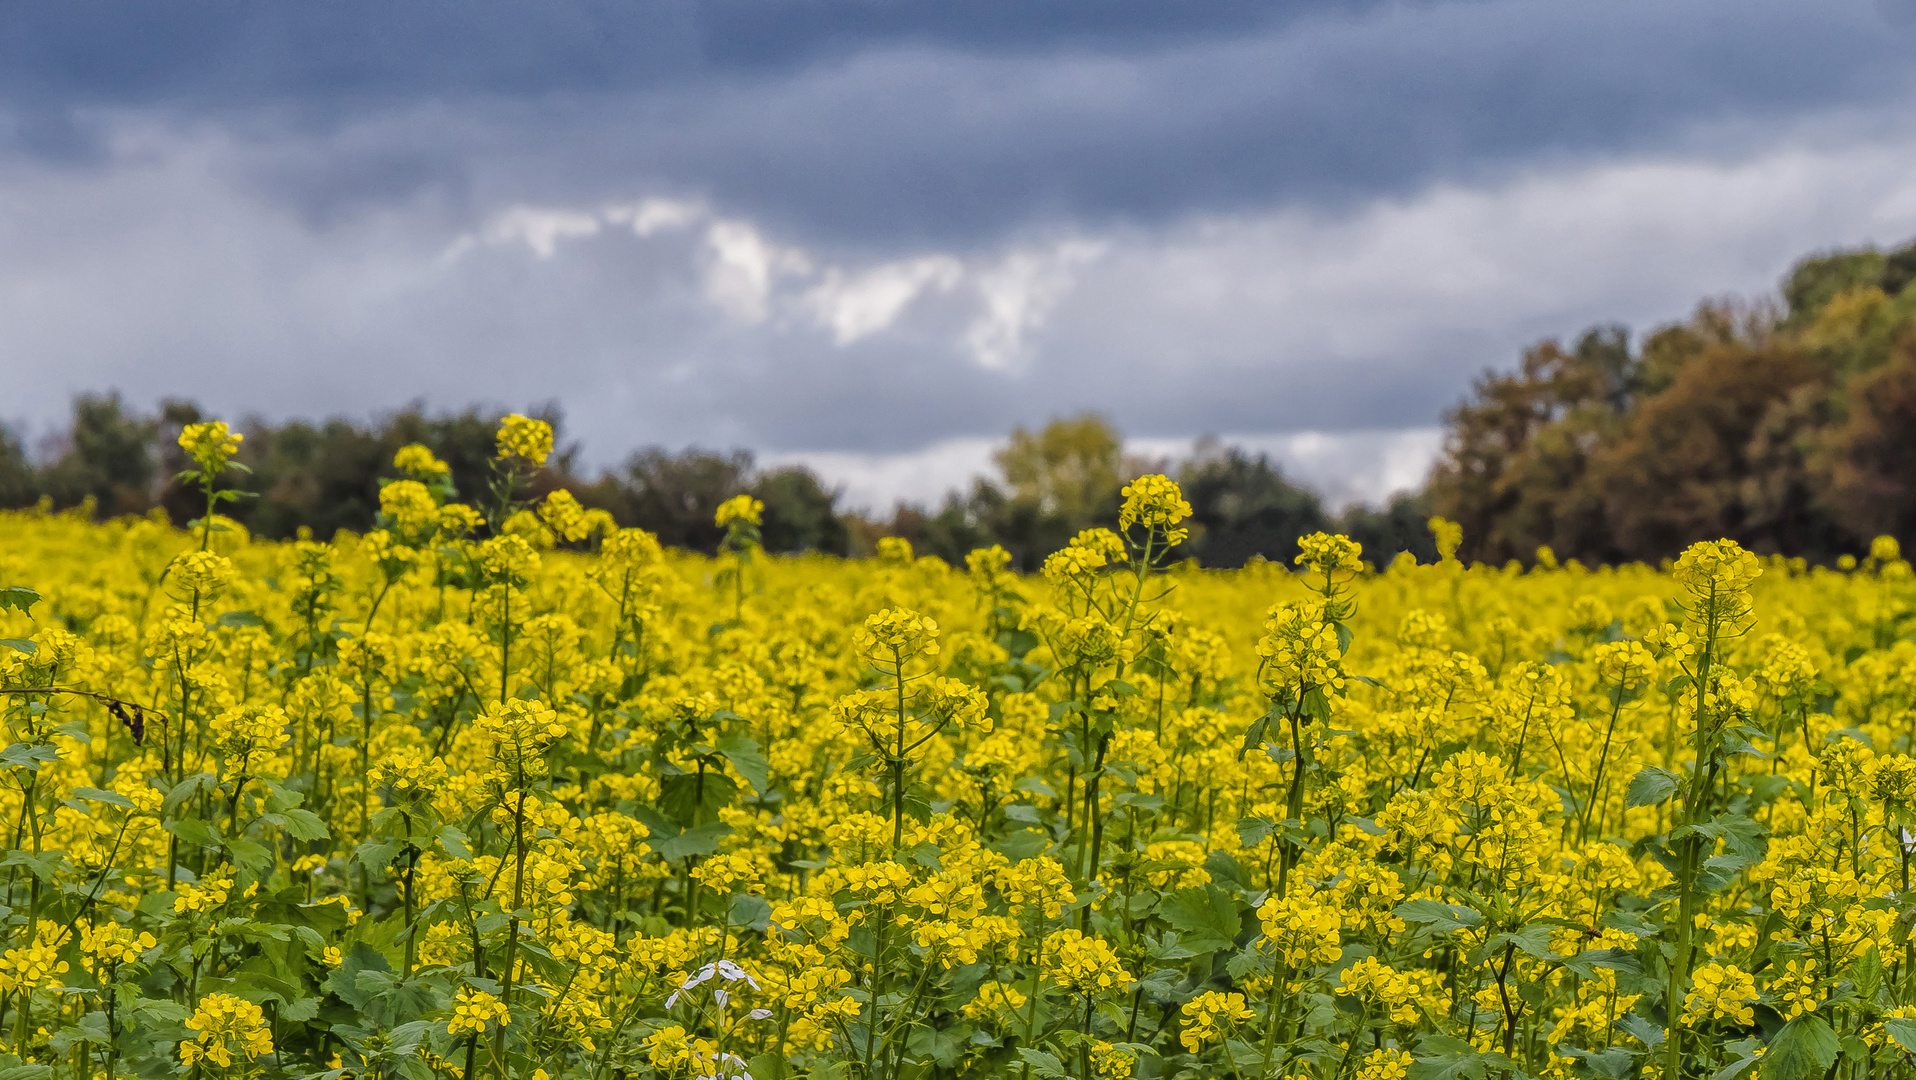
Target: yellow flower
410 507
114 944
897 635
202 574
246 730
475 1011
1385 1065
1717 574
1301 928
418 462
1083 964
520 732
225 1026
1449 537
1722 992
563 514
210 445
409 771
1334 556
1112 1063
524 438
30 967
1153 501
204 895
739 508
1209 1017
1794 988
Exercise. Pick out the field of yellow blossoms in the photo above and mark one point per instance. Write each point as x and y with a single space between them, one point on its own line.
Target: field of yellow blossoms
499 790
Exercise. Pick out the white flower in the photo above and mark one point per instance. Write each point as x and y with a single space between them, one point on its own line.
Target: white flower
723 969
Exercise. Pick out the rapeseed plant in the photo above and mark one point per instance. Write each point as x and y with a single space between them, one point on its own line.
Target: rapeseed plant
509 791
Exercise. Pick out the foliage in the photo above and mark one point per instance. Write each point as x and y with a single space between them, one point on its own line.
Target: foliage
1786 429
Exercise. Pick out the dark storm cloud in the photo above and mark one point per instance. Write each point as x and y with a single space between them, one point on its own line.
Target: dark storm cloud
884 123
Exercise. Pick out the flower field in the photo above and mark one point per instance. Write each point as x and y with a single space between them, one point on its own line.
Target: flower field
500 790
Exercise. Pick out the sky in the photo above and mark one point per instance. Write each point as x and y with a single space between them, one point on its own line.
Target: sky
872 236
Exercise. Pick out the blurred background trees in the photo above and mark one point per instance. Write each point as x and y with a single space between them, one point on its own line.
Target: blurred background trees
1787 425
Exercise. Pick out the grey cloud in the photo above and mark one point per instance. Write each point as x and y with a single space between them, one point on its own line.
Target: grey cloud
1324 222
888 125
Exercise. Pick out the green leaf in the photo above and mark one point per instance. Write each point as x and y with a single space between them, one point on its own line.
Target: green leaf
377 854
20 645
1022 845
1649 1034
111 798
1650 786
27 1072
1804 1048
673 843
749 912
18 598
25 756
1253 735
1585 963
45 867
1042 1063
344 981
1533 939
1902 1031
250 856
194 831
1612 1064
744 755
186 789
240 618
687 797
1207 917
1446 918
303 825
1440 1057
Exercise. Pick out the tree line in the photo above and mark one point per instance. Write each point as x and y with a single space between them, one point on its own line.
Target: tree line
1787 424
326 476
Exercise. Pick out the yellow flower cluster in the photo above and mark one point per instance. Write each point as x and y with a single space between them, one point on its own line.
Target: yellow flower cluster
30 967
476 1011
1080 964
112 943
1399 994
1722 992
1155 502
524 438
520 732
1209 1018
226 1028
210 445
245 730
417 461
1302 929
742 509
897 635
